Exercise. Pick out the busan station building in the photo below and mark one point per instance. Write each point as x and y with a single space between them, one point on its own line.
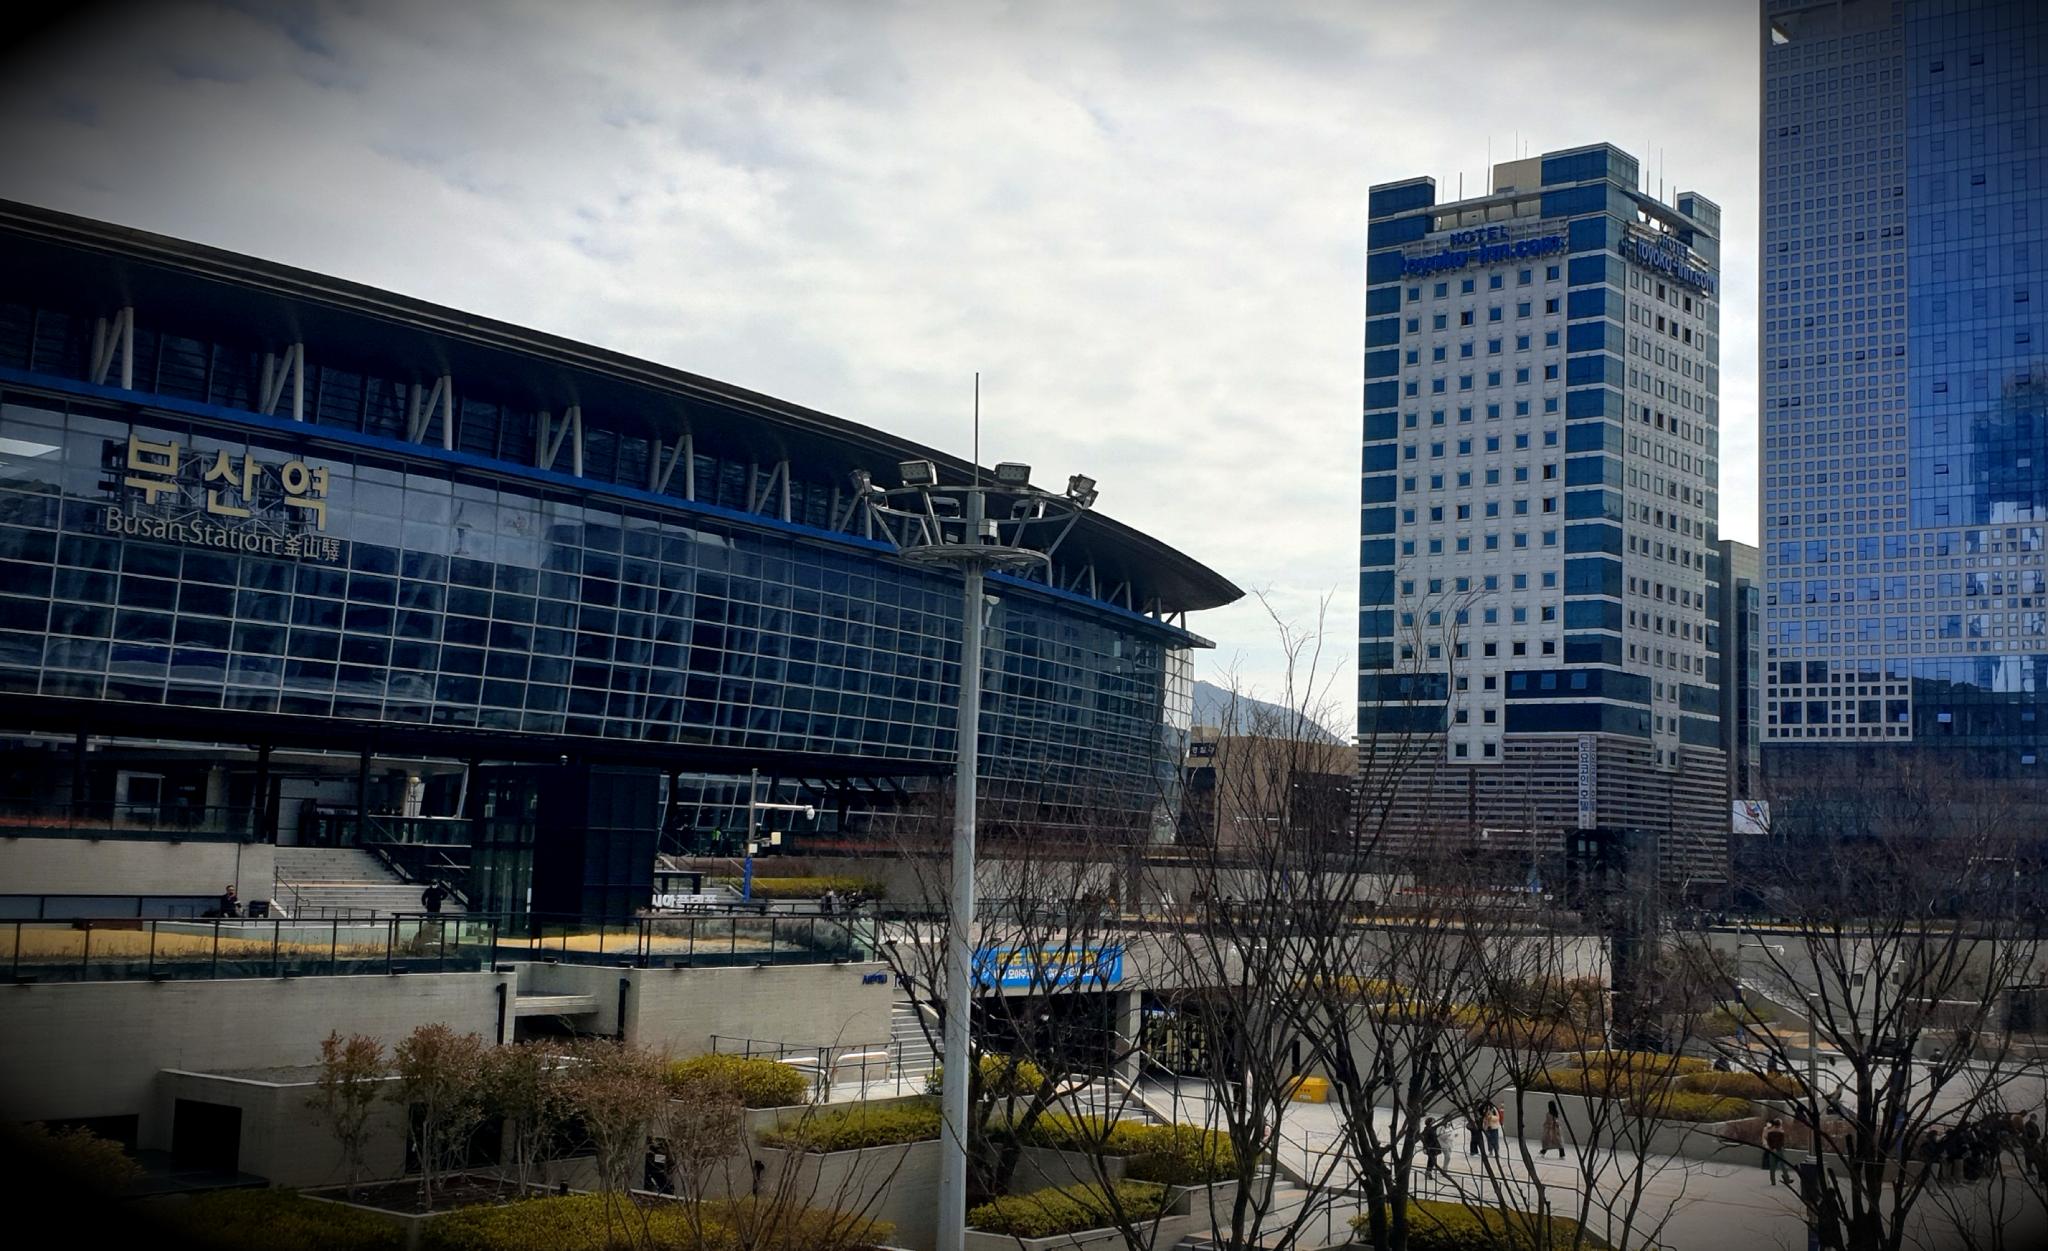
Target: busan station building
1540 507
288 560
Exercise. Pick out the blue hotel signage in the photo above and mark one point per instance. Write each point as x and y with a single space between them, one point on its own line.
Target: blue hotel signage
1488 245
1670 258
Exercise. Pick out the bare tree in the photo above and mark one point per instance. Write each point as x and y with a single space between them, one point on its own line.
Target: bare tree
345 1093
525 1086
439 1072
1903 922
620 1093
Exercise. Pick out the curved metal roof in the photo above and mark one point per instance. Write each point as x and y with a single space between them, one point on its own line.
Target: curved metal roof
177 284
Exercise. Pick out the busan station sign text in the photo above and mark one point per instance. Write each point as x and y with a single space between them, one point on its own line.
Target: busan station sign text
1487 245
225 501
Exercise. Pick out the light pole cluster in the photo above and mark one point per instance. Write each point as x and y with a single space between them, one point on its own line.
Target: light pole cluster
1010 526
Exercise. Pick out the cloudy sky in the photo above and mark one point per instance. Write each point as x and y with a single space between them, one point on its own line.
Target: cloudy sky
1143 223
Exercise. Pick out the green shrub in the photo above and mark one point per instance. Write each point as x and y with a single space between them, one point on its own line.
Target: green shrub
1746 1085
1590 1083
1066 1210
80 1157
760 1083
1002 1077
578 1223
272 1220
1692 1105
1721 1022
1532 1034
1177 1155
848 1129
1438 1226
808 887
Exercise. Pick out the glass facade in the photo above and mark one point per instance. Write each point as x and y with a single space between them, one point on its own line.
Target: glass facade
173 547
1905 396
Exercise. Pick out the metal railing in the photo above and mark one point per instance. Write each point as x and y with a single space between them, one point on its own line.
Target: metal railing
706 939
152 822
122 950
868 1064
139 949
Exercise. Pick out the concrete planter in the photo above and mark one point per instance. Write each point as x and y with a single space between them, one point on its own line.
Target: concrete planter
898 1184
1167 1232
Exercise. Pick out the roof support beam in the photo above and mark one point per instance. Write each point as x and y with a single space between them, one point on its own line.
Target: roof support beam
548 446
279 371
683 453
423 404
111 339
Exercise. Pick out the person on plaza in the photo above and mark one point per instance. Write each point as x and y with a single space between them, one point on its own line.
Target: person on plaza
1553 1131
431 898
1774 1149
2032 1158
1929 1152
828 903
230 902
1492 1119
1954 1146
1475 1133
1432 1146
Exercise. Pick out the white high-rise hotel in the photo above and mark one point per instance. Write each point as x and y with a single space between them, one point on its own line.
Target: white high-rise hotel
1538 535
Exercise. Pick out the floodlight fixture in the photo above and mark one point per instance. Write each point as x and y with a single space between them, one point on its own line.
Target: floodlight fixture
1081 490
918 473
863 481
1012 474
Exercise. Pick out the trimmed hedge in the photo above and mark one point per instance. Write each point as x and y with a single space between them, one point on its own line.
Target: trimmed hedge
849 1129
1746 1085
1653 1063
1692 1105
577 1223
808 887
1533 1034
1177 1155
1439 1226
1066 1210
1590 1083
1002 1077
1722 1021
760 1083
272 1220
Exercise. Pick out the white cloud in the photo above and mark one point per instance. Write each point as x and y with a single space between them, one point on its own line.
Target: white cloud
1143 223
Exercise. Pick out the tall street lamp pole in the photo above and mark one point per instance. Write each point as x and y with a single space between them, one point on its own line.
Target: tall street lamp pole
956 527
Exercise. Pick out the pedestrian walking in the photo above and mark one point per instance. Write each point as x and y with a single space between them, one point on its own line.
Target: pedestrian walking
1475 1136
1432 1146
431 898
1774 1150
1553 1131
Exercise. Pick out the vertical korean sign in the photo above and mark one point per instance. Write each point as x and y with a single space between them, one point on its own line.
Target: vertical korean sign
222 500
1589 782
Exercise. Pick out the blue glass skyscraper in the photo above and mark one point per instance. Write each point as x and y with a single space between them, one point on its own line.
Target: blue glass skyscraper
1904 386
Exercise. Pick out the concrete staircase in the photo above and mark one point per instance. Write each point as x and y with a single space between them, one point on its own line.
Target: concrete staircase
913 1055
318 883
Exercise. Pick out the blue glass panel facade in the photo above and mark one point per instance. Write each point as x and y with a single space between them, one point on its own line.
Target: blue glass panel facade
1905 400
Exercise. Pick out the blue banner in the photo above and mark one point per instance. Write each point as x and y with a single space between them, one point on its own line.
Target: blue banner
1047 968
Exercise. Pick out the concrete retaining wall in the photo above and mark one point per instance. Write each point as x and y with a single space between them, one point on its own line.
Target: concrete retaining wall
83 866
94 1049
678 1010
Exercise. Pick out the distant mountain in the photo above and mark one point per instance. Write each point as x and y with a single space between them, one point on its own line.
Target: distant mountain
1214 706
